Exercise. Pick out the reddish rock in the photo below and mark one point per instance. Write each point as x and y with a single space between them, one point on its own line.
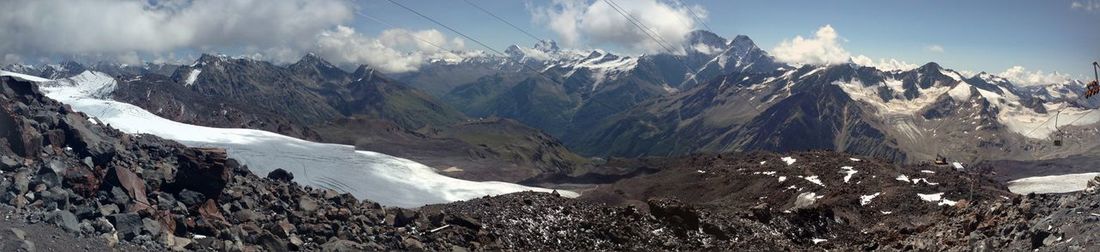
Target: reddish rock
134 186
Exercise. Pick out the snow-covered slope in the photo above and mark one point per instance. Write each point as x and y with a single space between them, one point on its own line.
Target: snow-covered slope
386 179
23 76
1052 184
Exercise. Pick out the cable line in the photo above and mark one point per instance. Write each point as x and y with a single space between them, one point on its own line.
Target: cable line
502 20
655 37
393 26
696 16
472 39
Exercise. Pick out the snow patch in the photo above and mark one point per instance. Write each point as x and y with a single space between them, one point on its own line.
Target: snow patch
961 92
788 160
192 76
866 199
23 77
931 197
388 180
848 171
1051 184
937 198
813 179
89 84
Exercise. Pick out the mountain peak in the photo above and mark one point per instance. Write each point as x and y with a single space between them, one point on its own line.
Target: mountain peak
311 59
207 58
705 37
742 41
548 46
931 66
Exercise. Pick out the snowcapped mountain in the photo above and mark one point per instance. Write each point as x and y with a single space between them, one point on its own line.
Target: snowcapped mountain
909 116
567 90
386 179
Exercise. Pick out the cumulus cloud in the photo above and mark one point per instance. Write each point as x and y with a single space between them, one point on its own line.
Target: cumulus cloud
123 27
578 22
821 49
1086 5
395 50
883 64
1021 76
934 48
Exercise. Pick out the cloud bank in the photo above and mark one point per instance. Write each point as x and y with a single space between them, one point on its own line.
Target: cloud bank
126 31
395 50
582 22
825 48
117 26
821 49
1021 76
1086 5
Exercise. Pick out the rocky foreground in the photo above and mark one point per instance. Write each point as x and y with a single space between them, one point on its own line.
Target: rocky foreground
143 192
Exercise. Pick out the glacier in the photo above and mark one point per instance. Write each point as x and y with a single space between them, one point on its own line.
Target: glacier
388 180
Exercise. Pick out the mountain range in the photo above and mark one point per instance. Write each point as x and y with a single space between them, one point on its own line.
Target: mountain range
719 95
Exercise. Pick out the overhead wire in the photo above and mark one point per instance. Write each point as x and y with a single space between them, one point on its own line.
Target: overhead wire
695 16
655 37
503 20
393 26
471 39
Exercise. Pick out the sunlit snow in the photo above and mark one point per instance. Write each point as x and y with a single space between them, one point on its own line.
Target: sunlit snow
1052 184
369 175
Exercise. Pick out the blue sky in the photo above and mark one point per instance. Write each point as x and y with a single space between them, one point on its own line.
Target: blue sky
974 35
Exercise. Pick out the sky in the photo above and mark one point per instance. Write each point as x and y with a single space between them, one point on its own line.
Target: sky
1028 41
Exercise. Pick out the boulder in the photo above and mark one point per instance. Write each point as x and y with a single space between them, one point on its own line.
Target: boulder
191 198
340 245
203 170
133 185
280 175
8 163
128 225
65 219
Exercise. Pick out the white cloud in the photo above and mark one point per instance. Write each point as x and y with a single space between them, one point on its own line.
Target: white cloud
578 21
426 40
65 27
1086 5
11 58
1021 76
822 49
883 64
934 48
390 52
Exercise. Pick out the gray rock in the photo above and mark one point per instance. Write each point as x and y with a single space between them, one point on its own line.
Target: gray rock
128 225
27 246
190 198
65 219
22 182
88 162
151 227
108 209
271 243
17 234
338 245
8 163
307 205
